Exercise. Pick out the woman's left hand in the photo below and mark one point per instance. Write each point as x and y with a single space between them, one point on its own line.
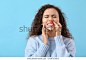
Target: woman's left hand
58 28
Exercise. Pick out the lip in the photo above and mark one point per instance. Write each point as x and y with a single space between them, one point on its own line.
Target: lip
50 24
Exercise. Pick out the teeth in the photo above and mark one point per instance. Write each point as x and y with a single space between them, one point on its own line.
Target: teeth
50 24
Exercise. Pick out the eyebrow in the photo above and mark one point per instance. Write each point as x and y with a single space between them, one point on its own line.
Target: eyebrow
52 15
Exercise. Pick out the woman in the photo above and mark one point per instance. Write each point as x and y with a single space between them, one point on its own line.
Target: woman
49 36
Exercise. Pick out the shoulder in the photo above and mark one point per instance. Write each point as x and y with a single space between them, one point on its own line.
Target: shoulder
68 41
34 38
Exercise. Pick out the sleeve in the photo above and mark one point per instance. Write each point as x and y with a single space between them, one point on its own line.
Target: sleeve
62 50
32 51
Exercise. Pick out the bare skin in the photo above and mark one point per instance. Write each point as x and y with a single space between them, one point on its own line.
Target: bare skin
50 15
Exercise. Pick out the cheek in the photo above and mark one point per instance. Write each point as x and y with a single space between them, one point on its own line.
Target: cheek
44 20
56 20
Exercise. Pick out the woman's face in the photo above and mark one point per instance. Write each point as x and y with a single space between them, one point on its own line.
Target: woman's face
50 15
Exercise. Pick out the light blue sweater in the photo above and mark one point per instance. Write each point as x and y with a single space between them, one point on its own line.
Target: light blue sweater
59 46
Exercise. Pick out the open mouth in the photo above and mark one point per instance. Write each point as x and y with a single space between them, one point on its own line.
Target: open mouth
50 24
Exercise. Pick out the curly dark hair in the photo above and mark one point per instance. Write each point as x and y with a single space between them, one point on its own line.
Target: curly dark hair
36 27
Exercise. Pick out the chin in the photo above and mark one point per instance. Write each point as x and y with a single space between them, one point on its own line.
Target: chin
49 28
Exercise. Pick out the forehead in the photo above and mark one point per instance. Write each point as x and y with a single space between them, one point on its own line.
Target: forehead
50 11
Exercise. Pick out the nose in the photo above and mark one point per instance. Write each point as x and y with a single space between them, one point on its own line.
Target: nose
50 19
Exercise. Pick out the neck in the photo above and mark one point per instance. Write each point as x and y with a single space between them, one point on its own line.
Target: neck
51 34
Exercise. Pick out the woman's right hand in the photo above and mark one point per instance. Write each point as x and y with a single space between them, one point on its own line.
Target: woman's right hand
44 35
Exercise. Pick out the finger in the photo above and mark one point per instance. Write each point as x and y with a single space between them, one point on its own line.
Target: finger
44 26
44 29
56 25
59 24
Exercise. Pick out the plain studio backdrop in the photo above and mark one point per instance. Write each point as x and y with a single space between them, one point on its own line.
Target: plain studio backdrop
16 17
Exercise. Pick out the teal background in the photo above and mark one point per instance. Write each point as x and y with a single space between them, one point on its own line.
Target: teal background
20 13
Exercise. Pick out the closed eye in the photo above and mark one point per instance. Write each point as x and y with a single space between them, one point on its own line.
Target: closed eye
46 17
54 16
